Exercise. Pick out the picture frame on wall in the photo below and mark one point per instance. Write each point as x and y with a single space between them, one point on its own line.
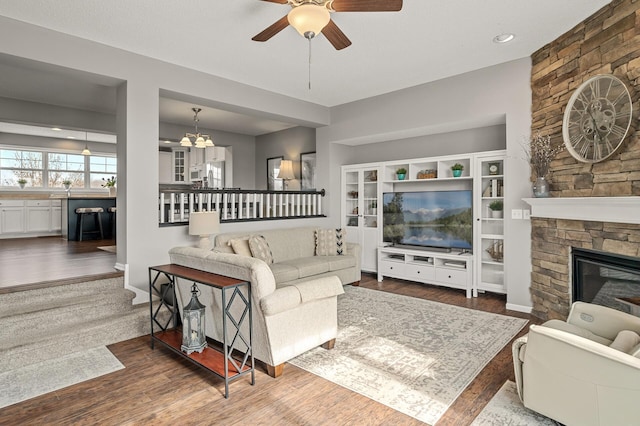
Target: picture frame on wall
273 168
308 171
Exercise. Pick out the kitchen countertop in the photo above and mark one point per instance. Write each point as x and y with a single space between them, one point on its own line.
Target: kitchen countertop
15 195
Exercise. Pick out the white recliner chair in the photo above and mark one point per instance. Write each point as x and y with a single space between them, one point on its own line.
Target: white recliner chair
585 371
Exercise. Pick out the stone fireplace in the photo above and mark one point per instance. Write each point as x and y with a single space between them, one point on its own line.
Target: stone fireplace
605 224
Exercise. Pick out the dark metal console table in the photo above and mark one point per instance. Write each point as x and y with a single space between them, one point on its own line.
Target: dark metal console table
223 364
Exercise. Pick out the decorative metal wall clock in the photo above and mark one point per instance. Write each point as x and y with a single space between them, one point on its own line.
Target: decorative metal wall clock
597 118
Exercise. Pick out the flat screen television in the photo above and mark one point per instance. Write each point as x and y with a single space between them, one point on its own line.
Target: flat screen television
428 219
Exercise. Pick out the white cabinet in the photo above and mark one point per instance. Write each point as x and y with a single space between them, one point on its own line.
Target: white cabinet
449 270
38 215
180 166
489 235
165 169
30 218
360 211
11 217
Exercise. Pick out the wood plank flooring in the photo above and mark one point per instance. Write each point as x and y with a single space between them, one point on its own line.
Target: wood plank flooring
158 387
27 263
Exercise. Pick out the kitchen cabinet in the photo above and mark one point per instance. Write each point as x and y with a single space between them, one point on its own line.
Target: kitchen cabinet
11 217
165 169
38 216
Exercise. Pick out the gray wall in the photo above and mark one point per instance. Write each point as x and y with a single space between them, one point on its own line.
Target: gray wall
457 142
493 95
51 143
496 95
287 143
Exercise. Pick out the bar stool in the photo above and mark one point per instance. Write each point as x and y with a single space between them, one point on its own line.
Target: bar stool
82 212
112 218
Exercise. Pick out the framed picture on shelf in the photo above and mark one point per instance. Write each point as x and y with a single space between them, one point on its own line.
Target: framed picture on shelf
273 168
308 171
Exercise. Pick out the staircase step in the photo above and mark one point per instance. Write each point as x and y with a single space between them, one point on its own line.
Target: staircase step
70 313
16 302
104 331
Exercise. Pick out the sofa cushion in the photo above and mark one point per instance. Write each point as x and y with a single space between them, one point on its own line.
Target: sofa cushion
337 263
283 272
625 341
241 246
308 266
260 249
330 242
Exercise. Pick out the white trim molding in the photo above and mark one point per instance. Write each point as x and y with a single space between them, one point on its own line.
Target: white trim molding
597 209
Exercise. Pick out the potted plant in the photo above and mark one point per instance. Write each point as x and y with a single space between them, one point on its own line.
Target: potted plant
457 169
110 184
496 208
66 184
401 173
22 182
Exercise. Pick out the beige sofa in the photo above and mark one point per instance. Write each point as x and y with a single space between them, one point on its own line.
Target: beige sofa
585 371
294 299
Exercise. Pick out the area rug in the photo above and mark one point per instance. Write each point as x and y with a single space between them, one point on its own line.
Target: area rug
505 408
110 249
413 355
48 376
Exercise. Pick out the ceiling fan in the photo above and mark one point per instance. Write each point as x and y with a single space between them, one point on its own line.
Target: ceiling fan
310 17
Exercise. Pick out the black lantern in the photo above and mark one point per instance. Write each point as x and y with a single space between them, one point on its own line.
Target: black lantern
193 335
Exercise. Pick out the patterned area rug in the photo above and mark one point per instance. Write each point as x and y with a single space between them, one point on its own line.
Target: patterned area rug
505 408
413 355
48 376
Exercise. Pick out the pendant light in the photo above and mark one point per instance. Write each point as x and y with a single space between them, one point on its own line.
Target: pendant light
201 141
86 151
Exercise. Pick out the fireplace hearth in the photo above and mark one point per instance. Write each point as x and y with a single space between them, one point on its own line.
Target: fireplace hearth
606 279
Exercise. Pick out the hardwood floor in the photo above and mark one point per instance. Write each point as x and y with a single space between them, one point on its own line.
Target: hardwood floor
158 387
27 263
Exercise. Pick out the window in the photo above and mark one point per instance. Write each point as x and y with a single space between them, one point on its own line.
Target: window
21 164
44 169
101 169
65 167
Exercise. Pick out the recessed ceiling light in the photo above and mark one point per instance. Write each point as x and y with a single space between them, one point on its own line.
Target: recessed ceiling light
71 137
504 38
57 129
167 141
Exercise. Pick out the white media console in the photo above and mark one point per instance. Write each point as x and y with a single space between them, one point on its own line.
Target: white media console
445 269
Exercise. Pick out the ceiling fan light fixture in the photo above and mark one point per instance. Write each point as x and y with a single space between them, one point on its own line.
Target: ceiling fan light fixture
309 18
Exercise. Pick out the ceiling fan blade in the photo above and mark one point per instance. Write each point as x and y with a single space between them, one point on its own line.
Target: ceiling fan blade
272 30
366 5
277 1
335 36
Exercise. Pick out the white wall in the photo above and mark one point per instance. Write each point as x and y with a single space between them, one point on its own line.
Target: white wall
468 101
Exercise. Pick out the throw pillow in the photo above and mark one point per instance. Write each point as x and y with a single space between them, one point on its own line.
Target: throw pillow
240 246
260 249
330 242
625 341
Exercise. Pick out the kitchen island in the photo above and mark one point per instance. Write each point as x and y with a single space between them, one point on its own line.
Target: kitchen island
70 218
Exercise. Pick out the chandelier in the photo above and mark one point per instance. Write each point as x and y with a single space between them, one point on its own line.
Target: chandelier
201 141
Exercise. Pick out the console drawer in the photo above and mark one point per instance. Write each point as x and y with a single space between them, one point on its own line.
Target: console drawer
452 276
421 272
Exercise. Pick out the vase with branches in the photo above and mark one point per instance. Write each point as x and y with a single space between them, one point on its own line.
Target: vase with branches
540 152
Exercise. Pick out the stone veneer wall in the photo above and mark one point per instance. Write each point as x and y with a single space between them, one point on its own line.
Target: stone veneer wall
608 42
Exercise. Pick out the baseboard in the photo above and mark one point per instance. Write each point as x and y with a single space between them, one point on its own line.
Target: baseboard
519 308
